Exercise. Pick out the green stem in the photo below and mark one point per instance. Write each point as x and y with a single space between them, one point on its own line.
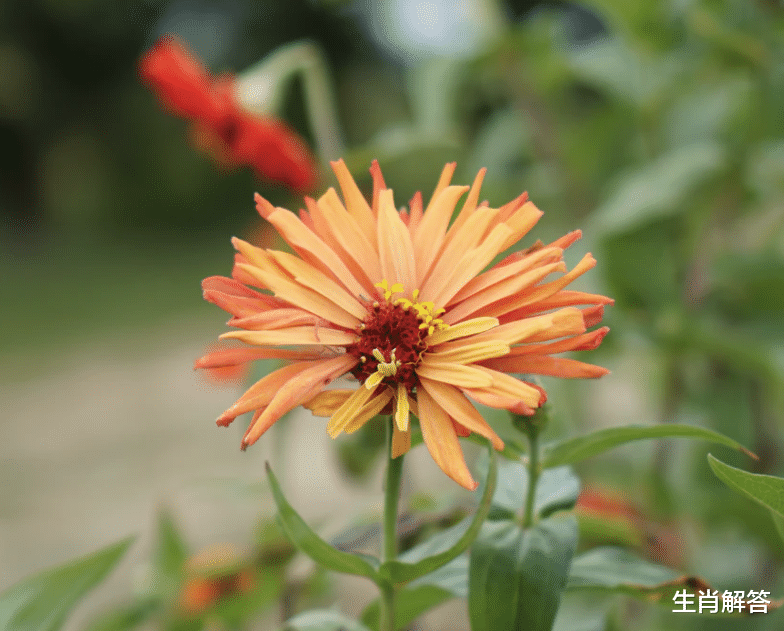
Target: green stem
533 477
387 618
261 89
389 531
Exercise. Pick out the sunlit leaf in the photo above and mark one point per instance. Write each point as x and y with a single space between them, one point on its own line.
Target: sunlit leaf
304 538
44 601
322 620
573 450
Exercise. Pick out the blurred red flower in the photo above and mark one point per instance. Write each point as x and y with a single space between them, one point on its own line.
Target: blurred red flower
620 521
233 135
215 575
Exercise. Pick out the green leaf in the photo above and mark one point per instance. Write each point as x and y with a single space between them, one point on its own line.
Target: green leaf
323 620
639 21
402 572
576 449
44 601
631 255
612 66
448 581
746 284
452 577
658 189
581 612
169 557
503 142
556 489
778 521
616 570
301 535
744 352
707 111
127 617
438 543
516 575
410 603
767 490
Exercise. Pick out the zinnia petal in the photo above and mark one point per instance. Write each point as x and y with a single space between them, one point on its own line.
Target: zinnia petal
414 310
307 383
441 441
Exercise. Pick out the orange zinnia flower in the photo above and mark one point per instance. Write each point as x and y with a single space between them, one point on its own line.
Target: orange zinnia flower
231 133
399 301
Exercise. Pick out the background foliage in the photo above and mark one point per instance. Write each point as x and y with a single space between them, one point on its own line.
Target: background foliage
657 127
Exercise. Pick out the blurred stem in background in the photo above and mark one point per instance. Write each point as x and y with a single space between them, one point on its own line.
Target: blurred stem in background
261 89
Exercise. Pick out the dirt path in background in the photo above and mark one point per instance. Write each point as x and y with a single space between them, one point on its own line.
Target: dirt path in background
91 451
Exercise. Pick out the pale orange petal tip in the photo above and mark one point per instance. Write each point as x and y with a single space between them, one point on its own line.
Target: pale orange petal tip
264 208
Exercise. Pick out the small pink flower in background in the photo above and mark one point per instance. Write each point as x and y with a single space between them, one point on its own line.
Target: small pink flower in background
231 134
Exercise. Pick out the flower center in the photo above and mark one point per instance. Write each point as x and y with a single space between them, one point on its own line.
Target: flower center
392 338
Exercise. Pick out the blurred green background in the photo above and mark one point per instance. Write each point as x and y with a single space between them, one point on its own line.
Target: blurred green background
655 126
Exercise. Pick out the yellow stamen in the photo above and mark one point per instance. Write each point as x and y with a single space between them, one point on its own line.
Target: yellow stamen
384 369
389 291
426 311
